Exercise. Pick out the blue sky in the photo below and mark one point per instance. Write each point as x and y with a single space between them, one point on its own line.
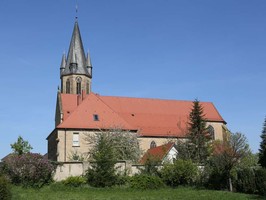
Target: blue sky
170 49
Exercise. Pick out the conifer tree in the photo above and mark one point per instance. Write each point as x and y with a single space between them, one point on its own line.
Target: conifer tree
102 170
198 134
262 150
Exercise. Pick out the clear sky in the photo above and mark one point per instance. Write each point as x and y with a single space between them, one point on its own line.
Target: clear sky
170 49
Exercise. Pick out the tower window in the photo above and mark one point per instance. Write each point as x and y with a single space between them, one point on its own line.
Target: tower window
68 86
153 145
78 80
96 117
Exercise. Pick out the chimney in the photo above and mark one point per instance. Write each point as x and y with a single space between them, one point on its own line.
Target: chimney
83 94
79 100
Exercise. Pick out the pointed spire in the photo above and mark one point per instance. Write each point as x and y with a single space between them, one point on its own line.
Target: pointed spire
63 62
88 64
76 55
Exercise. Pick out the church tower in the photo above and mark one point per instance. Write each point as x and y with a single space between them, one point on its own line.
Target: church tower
76 68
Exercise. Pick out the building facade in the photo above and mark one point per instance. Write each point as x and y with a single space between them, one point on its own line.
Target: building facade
80 112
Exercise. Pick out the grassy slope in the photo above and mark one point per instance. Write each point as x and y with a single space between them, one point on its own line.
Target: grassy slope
54 193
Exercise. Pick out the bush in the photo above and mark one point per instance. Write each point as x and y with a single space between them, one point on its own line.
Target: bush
101 177
217 180
260 175
5 193
245 181
122 180
74 181
145 182
29 169
182 172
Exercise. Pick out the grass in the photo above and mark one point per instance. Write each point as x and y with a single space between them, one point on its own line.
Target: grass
54 192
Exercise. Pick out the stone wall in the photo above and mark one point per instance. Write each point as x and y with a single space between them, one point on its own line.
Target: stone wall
67 169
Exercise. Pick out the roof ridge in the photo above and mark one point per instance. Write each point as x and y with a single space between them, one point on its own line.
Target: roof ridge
152 98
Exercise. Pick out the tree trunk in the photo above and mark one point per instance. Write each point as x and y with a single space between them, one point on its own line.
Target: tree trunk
230 184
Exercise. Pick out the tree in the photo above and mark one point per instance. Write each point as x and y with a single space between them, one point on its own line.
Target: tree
197 134
151 165
29 169
262 150
124 143
228 153
21 146
109 146
102 171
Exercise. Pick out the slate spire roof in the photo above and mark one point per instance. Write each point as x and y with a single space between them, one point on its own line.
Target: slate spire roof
76 61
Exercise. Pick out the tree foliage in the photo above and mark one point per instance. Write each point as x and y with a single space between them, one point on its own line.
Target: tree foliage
262 150
102 171
181 172
124 143
197 147
151 165
29 169
108 147
227 155
5 189
21 146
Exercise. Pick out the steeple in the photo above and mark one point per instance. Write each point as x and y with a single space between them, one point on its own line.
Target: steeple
76 60
76 68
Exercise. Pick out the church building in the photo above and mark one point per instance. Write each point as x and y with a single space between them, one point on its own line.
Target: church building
80 111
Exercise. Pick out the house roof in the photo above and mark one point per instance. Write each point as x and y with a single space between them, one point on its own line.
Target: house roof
150 117
158 153
7 157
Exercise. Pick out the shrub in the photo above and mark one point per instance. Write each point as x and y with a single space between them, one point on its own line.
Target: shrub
122 180
181 172
5 193
29 169
245 181
74 181
144 182
260 175
151 165
217 180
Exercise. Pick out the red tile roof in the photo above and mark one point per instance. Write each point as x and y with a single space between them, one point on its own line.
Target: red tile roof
151 117
158 153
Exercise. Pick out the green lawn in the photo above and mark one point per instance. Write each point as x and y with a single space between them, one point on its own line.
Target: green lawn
66 193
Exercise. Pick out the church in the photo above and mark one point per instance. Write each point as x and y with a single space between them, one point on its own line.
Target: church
80 111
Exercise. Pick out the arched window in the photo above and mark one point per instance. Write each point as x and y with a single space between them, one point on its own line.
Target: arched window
153 145
78 80
211 132
68 86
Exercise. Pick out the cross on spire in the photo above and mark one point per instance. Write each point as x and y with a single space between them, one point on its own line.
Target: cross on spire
76 10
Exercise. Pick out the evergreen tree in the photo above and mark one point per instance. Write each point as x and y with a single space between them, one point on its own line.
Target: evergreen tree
198 135
262 150
102 172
